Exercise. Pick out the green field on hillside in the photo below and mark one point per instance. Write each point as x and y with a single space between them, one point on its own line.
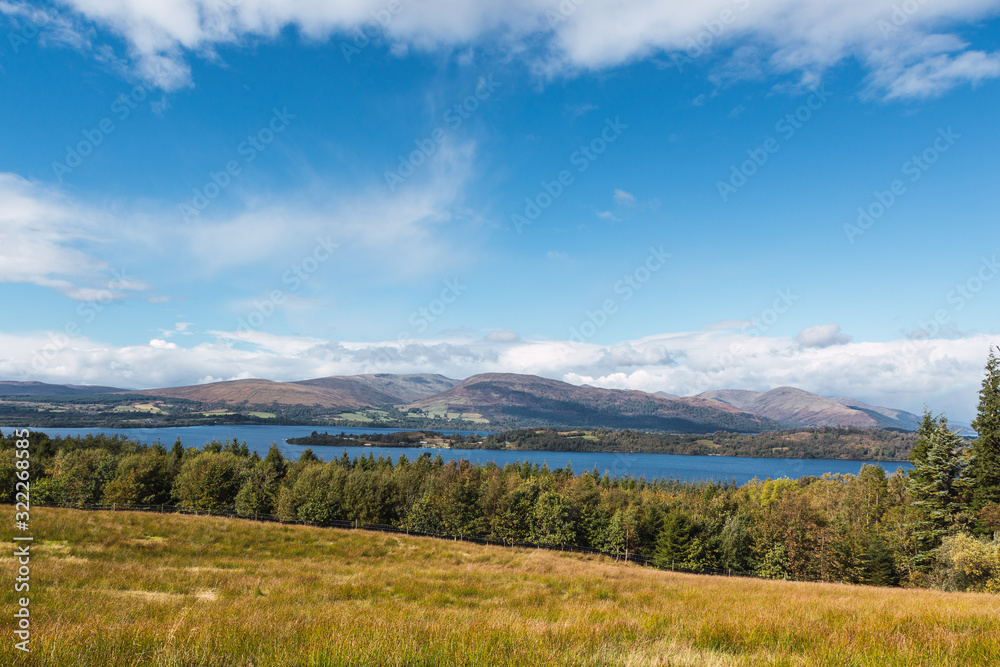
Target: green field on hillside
147 589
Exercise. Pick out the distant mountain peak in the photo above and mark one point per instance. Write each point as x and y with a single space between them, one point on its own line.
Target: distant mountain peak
799 407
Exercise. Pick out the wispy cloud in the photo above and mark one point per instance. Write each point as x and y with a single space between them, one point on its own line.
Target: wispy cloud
50 241
785 36
624 198
54 240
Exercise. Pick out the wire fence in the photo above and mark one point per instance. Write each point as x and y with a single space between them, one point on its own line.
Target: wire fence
620 556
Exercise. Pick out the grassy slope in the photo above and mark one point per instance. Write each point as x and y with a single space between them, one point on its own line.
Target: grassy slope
129 588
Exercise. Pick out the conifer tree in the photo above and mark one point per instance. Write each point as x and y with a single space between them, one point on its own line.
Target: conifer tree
674 542
937 484
919 451
986 448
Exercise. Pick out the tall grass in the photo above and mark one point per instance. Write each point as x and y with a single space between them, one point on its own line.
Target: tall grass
122 588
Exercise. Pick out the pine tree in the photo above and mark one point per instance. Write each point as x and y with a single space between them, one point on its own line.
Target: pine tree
177 451
919 451
674 542
986 448
937 484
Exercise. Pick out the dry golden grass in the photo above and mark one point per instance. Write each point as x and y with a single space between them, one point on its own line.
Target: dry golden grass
145 589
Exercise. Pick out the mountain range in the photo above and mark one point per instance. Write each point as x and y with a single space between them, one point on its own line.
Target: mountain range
508 400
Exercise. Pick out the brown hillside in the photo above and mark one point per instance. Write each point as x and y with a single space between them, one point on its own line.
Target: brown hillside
795 406
259 392
499 396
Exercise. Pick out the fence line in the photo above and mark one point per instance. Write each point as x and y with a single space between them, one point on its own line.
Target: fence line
627 557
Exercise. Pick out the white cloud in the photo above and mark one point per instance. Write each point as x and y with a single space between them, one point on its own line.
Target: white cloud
786 36
179 328
403 232
500 336
822 335
624 198
934 75
50 241
45 24
943 374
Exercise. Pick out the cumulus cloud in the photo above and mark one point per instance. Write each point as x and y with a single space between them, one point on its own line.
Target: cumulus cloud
904 374
822 335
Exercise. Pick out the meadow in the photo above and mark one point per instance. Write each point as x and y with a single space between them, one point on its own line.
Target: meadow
128 588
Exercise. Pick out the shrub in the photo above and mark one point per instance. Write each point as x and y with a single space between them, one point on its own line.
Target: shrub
964 563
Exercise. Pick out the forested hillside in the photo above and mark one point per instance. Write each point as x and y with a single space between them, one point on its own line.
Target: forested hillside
808 443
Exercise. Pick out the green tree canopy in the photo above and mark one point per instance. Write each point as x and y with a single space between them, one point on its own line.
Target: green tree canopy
986 449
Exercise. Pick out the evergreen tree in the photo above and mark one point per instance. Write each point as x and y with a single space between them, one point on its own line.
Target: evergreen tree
919 451
177 451
276 463
937 485
674 543
986 449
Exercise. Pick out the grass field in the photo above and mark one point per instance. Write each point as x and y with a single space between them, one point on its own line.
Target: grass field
135 589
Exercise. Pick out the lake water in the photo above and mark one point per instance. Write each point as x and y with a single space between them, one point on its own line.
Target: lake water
651 466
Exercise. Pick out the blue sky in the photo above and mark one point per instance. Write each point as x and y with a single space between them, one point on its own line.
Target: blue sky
648 195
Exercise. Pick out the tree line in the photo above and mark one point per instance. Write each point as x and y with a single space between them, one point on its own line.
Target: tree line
934 526
859 444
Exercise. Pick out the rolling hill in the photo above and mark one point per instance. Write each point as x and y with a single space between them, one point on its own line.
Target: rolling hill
528 400
353 392
509 400
392 388
255 392
10 388
796 407
207 591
